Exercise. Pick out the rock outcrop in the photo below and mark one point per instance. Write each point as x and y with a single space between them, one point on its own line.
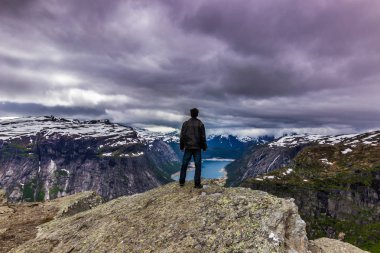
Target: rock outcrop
3 197
180 219
327 245
19 221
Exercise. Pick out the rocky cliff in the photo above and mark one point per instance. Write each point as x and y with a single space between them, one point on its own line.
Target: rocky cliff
260 160
335 181
43 158
169 219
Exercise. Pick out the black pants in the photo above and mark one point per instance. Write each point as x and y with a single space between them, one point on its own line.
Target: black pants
196 153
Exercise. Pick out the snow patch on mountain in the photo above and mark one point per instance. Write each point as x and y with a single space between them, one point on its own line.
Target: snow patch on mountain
346 151
325 161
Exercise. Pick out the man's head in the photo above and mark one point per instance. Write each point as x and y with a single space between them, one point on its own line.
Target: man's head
194 112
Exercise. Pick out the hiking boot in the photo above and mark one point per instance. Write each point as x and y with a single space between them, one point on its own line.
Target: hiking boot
181 184
199 186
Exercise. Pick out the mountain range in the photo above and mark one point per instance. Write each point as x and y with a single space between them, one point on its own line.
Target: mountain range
334 180
47 157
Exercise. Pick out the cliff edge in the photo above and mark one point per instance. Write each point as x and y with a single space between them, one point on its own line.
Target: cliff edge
175 219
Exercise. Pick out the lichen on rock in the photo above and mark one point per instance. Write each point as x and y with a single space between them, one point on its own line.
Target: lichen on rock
327 245
3 197
174 219
77 203
177 219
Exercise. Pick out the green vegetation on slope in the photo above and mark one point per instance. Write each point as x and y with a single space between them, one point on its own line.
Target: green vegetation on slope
33 191
336 192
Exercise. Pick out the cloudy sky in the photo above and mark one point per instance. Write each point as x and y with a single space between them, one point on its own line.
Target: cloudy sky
250 66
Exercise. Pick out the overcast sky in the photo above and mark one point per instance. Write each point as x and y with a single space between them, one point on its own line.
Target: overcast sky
250 66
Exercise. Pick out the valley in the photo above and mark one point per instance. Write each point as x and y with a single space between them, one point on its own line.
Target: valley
211 168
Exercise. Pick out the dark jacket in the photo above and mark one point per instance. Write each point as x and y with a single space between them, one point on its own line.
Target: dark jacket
193 135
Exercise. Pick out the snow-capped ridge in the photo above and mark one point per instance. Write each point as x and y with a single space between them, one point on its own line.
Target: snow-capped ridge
151 136
237 137
174 136
369 138
50 127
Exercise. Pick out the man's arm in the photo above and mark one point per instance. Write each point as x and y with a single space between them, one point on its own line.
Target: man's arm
181 137
203 137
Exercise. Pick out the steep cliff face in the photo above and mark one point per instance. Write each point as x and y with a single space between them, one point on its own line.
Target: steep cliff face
43 158
260 160
169 219
335 183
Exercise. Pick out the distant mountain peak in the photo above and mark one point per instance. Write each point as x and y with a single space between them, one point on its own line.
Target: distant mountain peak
368 138
51 127
151 136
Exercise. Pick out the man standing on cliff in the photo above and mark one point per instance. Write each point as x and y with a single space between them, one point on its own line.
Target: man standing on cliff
192 140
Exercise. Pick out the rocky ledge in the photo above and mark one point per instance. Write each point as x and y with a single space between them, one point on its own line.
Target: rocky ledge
175 219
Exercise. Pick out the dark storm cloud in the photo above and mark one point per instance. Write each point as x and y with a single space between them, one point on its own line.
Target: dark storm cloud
263 64
15 7
38 110
331 36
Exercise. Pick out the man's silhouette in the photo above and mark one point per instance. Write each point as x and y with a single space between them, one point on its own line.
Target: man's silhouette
192 140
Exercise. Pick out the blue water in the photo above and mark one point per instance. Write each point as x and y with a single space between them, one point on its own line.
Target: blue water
210 169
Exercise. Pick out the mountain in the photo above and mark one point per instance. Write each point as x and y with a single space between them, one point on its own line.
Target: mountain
166 219
335 181
232 146
219 146
43 158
